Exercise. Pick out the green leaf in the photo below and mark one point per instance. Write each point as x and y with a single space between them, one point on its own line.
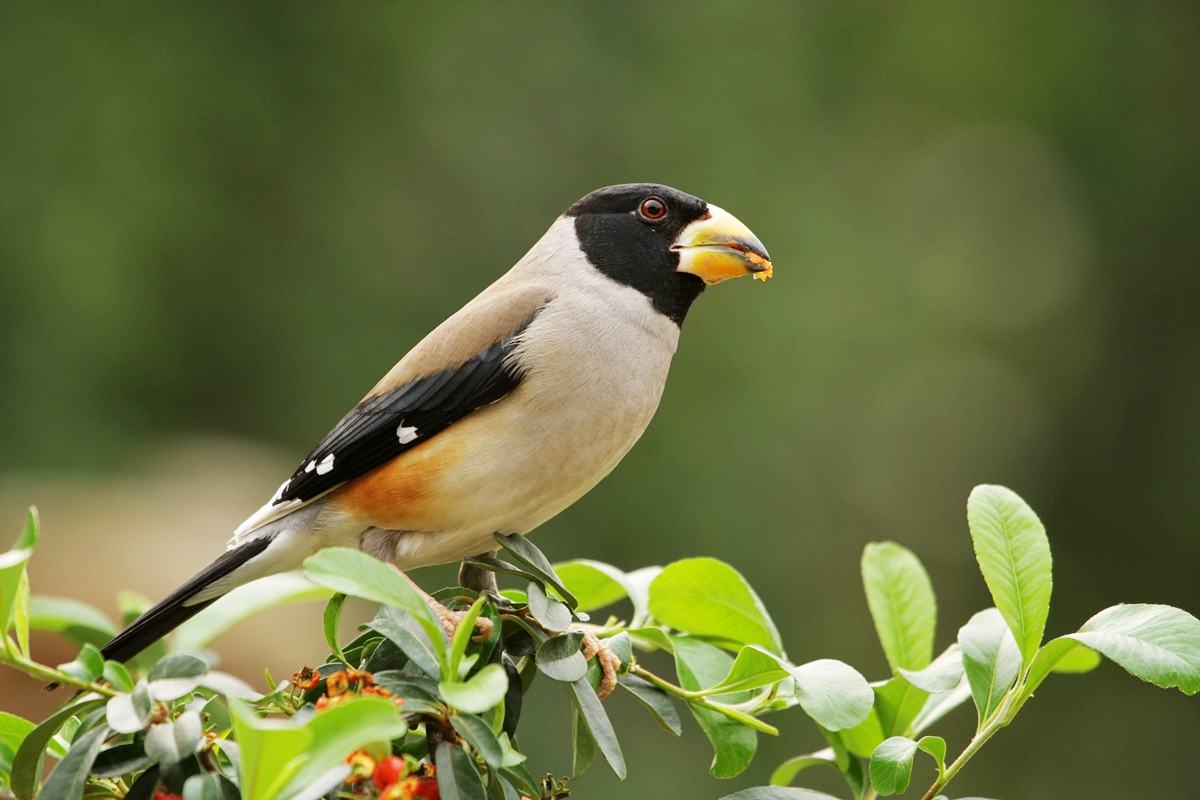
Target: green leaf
87 666
129 713
116 674
242 603
708 598
1014 556
583 744
550 613
1047 659
12 570
559 658
1158 644
532 559
891 765
943 673
902 604
589 706
463 634
206 786
834 694
935 746
329 624
778 793
407 634
457 777
69 776
1077 660
27 763
990 658
594 583
13 730
176 675
120 760
752 669
353 572
656 701
79 622
279 757
786 772
172 741
479 735
482 691
699 664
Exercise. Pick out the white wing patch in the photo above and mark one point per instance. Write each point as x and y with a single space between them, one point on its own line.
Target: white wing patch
326 465
406 434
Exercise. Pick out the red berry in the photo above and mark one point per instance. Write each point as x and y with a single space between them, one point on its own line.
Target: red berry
427 789
388 771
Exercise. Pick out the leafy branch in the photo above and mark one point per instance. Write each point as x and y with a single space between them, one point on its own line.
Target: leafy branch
403 710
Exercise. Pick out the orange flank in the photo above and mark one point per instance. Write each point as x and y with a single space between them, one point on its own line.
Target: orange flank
400 494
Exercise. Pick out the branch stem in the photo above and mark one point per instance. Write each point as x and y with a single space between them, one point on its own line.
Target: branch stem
50 675
699 699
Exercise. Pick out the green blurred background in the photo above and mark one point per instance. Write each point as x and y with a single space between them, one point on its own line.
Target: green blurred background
220 222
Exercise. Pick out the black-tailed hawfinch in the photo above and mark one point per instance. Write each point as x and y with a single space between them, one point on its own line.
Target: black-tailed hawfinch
506 413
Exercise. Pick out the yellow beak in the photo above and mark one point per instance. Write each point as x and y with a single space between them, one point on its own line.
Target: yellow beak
718 247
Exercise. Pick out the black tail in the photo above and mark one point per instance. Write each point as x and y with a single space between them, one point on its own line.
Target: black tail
171 612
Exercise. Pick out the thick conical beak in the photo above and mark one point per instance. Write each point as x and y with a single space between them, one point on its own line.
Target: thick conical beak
718 247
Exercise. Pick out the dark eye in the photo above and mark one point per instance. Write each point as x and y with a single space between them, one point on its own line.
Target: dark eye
652 209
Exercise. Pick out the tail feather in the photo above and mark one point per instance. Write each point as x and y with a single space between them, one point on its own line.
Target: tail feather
174 609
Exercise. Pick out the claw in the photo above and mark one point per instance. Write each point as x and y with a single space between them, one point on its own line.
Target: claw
452 619
609 663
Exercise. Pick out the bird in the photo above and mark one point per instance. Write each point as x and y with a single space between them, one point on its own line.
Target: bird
506 413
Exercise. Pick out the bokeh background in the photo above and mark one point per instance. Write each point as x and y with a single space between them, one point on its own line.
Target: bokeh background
220 222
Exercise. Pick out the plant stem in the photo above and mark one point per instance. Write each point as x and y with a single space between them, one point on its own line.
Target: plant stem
50 675
1002 716
698 698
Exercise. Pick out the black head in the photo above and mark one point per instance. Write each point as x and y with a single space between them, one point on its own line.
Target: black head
665 243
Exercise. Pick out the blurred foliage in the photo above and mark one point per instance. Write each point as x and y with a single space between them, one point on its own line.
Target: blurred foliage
231 218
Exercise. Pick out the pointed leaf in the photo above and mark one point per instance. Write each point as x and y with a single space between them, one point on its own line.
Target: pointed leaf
457 777
12 569
353 572
699 664
753 668
1159 644
27 762
1014 556
532 559
583 744
242 603
88 665
79 622
479 735
786 772
598 724
708 598
407 634
594 583
991 659
656 701
70 775
329 625
902 604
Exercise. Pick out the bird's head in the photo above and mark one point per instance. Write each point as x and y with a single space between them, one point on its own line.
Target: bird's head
665 243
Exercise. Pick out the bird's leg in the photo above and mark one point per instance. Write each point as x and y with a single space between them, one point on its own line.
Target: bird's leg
609 663
452 619
481 580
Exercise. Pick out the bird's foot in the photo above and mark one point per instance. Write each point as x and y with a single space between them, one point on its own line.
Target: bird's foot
451 620
609 663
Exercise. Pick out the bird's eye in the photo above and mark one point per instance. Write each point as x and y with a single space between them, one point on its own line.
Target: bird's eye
652 209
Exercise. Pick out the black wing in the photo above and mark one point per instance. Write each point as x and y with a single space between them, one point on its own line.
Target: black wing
383 426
